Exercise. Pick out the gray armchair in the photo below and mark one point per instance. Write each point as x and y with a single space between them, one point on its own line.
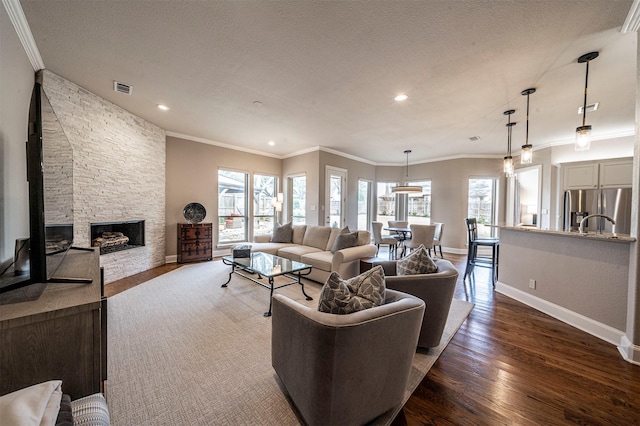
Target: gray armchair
435 289
345 369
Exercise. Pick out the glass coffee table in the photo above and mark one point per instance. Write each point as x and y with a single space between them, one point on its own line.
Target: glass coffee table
269 266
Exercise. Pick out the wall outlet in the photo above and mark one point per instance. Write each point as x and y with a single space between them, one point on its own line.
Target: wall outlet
532 283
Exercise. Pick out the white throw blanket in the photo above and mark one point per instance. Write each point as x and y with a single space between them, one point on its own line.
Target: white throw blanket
37 405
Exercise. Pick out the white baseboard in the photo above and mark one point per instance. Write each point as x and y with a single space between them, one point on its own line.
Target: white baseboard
454 250
629 351
219 252
588 325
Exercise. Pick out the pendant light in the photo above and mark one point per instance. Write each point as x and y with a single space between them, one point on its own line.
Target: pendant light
526 155
406 189
583 133
508 159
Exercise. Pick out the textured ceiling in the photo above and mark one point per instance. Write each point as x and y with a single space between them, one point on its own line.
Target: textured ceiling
326 72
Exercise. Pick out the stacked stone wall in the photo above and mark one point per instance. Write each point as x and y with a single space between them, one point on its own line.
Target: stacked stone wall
118 172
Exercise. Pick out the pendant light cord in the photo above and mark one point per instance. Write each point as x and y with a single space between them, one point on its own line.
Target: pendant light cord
527 132
509 136
408 151
584 108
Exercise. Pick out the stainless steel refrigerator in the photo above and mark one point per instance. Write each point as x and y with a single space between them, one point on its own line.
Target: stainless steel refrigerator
613 202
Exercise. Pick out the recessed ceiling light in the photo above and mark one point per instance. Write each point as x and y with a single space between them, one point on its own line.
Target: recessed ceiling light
163 107
271 143
401 97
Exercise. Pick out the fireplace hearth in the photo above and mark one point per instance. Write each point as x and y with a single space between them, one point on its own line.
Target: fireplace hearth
117 236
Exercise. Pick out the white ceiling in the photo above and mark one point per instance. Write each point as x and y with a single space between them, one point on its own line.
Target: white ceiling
326 72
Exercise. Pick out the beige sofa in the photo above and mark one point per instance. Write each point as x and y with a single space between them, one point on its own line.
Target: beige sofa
312 245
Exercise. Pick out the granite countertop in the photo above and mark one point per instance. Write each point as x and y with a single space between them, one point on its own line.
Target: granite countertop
619 238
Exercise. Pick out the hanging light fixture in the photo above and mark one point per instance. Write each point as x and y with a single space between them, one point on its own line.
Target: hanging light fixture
508 159
406 189
583 133
526 155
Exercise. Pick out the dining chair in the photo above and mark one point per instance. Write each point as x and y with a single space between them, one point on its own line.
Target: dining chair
480 259
437 239
401 237
378 238
421 235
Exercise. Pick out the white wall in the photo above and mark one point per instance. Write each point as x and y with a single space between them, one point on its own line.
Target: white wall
16 83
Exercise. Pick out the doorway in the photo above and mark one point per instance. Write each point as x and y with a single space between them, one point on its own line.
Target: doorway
335 197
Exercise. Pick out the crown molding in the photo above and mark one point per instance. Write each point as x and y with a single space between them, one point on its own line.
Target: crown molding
221 145
19 21
632 23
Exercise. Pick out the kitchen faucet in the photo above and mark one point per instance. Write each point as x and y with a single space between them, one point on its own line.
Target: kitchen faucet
581 228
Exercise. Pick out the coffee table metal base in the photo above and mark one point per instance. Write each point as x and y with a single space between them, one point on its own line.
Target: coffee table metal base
235 268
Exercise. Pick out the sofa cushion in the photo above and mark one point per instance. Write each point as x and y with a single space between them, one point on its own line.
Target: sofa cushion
317 236
417 262
298 233
296 252
364 291
345 240
282 233
270 248
319 260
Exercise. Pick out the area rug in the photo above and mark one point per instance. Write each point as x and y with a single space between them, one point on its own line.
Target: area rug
184 351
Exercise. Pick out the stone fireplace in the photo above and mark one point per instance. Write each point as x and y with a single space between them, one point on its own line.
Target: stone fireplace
117 236
118 173
58 237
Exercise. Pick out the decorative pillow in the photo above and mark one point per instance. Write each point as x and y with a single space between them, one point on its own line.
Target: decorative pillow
282 233
345 239
65 415
364 291
418 262
36 404
91 410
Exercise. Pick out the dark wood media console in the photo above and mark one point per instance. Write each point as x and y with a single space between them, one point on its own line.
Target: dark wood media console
60 335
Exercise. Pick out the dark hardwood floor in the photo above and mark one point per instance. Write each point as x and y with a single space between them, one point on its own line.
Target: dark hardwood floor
510 364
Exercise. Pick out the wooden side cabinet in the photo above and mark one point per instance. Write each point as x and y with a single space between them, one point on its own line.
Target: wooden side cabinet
194 242
59 335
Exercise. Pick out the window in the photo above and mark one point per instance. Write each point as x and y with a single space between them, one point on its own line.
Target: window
298 199
264 192
232 206
482 204
385 203
419 205
364 204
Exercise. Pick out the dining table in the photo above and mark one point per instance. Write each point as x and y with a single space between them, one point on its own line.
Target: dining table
403 234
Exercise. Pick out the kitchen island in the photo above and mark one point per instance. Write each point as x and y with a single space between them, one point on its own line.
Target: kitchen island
581 279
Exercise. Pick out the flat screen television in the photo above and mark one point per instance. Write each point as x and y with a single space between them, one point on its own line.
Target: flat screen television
50 181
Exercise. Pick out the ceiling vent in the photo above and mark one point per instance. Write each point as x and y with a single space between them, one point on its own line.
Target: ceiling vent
590 108
122 88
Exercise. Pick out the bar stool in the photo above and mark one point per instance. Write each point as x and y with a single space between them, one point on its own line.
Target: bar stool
474 259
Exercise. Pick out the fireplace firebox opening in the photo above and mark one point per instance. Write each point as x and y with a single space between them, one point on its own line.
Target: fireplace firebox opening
117 236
